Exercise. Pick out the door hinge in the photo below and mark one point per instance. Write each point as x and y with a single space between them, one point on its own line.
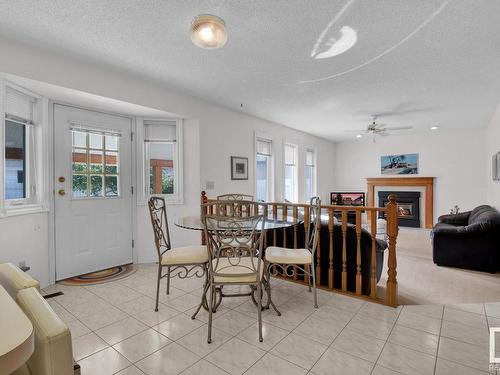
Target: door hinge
132 136
133 243
132 190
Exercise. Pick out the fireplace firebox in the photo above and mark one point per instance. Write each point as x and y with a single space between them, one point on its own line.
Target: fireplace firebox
408 206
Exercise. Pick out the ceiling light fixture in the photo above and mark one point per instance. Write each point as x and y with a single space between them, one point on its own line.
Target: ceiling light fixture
359 136
208 31
435 127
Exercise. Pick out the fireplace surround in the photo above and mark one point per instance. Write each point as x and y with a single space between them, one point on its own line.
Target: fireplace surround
408 206
396 182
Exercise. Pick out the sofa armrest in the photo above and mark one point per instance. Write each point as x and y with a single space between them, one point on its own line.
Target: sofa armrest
461 218
14 280
53 353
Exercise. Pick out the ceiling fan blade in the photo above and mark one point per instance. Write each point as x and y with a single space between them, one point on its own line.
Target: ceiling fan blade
383 134
399 128
354 131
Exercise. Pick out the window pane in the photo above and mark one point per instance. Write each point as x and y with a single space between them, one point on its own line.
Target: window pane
95 140
79 186
15 160
111 162
79 160
167 180
96 159
309 173
289 183
95 172
111 142
262 177
96 186
79 139
111 186
161 168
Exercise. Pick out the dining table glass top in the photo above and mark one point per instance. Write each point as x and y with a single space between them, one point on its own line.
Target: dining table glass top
195 223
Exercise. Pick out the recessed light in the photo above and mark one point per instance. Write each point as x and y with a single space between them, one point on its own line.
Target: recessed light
208 31
435 127
359 136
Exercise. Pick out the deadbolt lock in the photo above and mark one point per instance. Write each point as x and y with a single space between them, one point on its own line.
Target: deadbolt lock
62 179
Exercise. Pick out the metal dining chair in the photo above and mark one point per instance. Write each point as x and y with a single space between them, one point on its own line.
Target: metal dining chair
236 203
294 261
234 246
186 261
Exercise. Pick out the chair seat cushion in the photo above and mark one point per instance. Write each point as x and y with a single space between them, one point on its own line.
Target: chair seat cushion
283 255
185 255
237 270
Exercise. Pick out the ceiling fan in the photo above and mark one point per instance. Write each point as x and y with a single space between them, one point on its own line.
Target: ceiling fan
376 128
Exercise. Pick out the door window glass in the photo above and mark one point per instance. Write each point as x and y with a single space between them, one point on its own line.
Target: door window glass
95 165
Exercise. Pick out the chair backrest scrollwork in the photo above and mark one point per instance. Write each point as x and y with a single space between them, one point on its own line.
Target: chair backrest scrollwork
234 205
158 213
234 242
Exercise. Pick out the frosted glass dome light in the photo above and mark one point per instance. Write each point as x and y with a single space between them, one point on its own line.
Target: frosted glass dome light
208 31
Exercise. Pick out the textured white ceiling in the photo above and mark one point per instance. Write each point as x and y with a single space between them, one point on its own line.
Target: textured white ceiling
419 62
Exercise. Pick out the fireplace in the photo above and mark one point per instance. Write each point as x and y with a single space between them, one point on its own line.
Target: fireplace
408 206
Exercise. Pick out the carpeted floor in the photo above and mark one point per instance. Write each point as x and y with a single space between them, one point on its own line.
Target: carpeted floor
420 281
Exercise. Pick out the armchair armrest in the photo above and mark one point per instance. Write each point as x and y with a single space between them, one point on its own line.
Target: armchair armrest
460 219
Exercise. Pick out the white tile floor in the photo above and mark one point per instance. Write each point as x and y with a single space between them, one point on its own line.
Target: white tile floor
116 331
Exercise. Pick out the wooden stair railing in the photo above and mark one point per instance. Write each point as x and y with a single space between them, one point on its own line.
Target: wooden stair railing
390 213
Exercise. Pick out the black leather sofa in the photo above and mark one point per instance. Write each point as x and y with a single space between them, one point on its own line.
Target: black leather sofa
468 240
324 248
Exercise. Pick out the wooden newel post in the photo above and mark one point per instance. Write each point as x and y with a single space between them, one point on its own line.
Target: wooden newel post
203 211
392 234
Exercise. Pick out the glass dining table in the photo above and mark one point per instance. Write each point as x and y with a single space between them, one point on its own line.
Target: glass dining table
195 223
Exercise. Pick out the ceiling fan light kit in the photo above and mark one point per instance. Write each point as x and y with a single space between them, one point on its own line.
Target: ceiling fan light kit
208 31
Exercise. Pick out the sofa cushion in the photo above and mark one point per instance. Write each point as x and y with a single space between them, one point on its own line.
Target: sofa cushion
486 215
14 280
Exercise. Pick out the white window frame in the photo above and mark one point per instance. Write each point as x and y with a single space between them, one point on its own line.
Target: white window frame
36 154
143 167
271 176
295 186
315 171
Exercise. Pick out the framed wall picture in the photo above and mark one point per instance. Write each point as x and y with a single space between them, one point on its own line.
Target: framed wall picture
239 168
399 164
496 166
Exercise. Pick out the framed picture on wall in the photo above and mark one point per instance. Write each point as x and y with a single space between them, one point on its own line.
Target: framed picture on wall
495 163
399 164
239 168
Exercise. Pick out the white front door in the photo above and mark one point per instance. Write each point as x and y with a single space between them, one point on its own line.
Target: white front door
93 197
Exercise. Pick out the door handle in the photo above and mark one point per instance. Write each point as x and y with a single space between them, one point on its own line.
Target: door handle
61 192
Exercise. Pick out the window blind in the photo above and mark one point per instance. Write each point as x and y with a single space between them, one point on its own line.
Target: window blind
290 154
19 106
160 131
310 158
264 147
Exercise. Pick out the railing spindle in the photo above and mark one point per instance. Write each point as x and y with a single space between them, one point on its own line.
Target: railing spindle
344 250
358 252
275 217
373 267
330 248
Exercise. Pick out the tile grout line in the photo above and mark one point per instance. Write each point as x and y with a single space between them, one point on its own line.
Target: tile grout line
386 341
